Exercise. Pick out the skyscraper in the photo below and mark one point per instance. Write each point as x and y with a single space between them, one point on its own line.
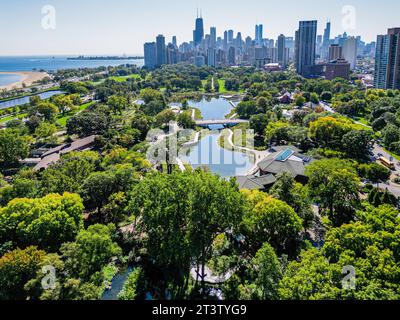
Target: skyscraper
230 36
161 51
150 55
326 41
305 47
211 57
387 60
259 34
213 37
199 31
174 42
335 52
282 50
350 51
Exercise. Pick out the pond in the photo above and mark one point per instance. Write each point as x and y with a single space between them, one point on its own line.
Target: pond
212 109
25 100
208 152
116 285
221 161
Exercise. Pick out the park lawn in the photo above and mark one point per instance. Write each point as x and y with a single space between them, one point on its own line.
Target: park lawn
62 121
20 116
125 78
222 88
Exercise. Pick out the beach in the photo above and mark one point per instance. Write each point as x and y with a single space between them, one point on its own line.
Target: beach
26 77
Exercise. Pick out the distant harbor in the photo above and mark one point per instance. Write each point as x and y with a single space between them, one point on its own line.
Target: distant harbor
105 58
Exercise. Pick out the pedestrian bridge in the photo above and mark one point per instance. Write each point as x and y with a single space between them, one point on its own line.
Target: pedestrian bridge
223 122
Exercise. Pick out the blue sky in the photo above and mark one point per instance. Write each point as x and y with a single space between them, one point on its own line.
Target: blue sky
122 26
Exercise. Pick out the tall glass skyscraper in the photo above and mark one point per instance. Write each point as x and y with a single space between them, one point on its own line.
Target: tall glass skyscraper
150 55
282 50
161 51
306 38
199 31
259 34
387 60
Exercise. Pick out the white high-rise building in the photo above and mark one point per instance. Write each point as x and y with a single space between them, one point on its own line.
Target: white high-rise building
350 51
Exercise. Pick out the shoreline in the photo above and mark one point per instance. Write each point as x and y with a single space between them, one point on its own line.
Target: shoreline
27 77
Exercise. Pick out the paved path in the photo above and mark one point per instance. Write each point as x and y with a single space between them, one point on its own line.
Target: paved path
258 155
209 277
221 122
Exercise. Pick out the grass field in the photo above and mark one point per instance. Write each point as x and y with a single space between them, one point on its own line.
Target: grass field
20 116
125 78
62 121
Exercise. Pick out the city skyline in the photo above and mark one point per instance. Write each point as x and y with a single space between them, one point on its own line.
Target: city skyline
117 29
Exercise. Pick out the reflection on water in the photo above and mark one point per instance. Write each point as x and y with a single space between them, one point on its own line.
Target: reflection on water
219 160
208 152
25 100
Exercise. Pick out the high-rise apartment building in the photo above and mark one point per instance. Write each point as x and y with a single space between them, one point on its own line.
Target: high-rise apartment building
150 55
305 47
350 51
161 51
282 51
335 52
387 60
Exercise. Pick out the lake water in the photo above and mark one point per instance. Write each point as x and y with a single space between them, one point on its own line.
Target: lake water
117 285
6 79
208 152
25 100
212 109
56 63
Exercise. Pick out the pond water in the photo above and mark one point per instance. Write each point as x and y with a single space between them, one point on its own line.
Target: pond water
116 285
207 152
212 109
25 100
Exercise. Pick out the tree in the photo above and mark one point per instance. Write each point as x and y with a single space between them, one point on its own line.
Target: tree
45 130
47 110
357 143
117 103
186 121
374 172
183 213
334 185
97 188
133 286
390 135
46 222
69 173
16 269
91 251
270 220
329 131
310 278
88 123
277 132
13 147
267 271
295 195
165 117
258 123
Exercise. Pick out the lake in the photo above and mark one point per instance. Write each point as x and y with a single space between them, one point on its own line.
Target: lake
47 63
6 79
25 100
208 152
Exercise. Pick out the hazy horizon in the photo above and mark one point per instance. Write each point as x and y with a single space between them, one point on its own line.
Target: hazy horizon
101 27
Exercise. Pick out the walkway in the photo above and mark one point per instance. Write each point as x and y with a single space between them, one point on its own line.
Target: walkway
258 155
227 122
